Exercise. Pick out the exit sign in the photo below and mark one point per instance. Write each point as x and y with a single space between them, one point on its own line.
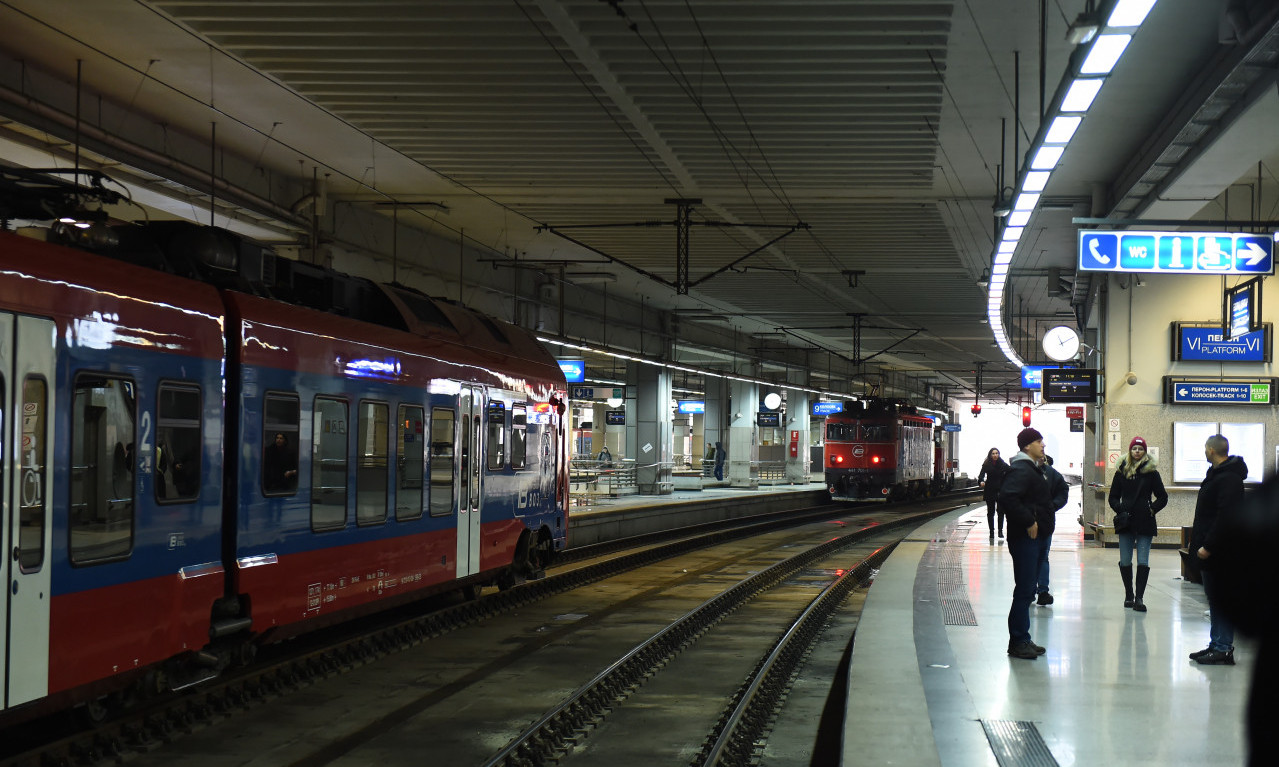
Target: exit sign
1075 412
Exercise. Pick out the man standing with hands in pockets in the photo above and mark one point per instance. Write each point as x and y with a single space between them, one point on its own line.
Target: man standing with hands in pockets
1025 496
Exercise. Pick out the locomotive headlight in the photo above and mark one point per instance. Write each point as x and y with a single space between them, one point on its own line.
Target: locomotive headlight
874 459
837 459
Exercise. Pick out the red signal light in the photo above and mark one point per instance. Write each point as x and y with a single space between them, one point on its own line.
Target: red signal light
1025 415
976 409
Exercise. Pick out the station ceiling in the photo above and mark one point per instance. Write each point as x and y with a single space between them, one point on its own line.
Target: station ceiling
838 162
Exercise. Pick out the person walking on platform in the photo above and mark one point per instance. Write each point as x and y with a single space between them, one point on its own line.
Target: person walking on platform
1136 495
1059 492
1220 497
720 455
989 479
1025 498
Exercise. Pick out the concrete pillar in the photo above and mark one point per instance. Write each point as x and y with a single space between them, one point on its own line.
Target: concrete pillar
652 427
797 427
743 443
716 418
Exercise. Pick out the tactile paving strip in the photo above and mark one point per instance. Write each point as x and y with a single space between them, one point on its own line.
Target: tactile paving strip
952 591
1017 744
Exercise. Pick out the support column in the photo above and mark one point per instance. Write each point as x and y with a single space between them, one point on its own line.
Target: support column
652 428
743 441
715 420
797 426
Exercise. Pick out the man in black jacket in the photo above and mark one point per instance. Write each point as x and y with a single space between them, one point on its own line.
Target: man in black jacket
1059 491
1220 497
1025 498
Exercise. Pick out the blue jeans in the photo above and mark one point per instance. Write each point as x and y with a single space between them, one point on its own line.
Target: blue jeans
1142 542
1025 554
1044 542
1221 632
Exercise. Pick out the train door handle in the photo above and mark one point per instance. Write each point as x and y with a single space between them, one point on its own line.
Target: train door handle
16 554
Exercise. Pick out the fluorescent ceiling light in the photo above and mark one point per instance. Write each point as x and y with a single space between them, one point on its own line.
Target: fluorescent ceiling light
1019 218
1062 128
1046 158
1080 95
1004 259
1105 54
1026 201
999 271
1130 13
1012 233
1035 181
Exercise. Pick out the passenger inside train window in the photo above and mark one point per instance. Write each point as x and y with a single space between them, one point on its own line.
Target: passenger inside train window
280 466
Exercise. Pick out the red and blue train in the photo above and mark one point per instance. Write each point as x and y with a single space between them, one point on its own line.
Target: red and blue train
880 450
207 447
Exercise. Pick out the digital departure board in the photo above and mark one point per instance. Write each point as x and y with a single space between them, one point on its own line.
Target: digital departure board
1070 385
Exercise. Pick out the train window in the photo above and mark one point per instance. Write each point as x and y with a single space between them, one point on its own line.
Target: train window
519 436
103 459
32 461
328 464
496 423
410 461
371 470
280 417
442 441
875 432
178 443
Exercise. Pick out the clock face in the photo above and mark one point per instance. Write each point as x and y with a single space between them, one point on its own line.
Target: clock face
1061 343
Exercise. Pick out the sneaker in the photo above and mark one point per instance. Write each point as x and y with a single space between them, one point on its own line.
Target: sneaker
1216 658
1045 598
1200 654
1024 650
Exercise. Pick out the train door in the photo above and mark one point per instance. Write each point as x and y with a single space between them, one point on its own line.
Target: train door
26 413
470 447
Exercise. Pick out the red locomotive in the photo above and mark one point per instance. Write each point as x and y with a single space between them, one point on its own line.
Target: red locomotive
878 451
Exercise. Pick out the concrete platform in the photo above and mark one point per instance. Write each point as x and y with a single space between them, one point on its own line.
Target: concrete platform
1116 686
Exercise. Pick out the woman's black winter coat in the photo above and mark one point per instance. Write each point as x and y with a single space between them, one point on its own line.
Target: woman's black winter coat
992 473
1142 496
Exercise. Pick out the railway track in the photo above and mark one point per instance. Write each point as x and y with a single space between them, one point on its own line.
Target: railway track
473 645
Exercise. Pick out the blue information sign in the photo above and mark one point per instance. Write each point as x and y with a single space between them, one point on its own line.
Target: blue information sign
1032 376
1176 252
1211 345
691 406
951 426
574 370
1187 392
827 408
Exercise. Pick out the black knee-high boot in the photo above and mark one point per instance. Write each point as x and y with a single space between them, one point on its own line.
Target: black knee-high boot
1126 572
1143 574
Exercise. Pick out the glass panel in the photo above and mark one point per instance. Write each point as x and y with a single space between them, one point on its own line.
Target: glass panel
280 444
371 470
32 460
519 438
496 436
410 462
328 464
442 474
103 429
178 443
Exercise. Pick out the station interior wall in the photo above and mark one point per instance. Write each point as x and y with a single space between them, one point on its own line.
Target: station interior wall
1144 347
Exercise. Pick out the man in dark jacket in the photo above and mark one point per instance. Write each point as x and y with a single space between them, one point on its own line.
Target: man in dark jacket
1025 498
1220 497
1059 492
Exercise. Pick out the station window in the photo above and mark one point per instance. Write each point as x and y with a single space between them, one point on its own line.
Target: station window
178 443
103 459
280 419
371 470
328 464
32 463
442 459
410 461
519 436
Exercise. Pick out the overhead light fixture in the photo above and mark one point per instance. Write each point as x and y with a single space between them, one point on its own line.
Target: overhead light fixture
1019 218
1081 95
984 279
1026 201
1105 54
590 277
1046 158
1130 13
1012 233
1035 181
1062 128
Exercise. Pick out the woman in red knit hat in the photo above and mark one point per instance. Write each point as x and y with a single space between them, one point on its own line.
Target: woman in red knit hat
1137 491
